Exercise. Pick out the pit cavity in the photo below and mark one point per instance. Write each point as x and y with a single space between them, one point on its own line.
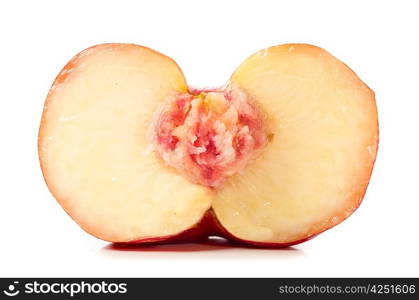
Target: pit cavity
208 135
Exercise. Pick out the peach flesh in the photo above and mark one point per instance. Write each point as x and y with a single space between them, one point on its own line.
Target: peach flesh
119 190
208 135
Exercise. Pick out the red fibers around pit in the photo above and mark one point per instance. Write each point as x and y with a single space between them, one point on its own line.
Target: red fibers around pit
209 135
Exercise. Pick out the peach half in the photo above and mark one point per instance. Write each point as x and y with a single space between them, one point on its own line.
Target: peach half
282 152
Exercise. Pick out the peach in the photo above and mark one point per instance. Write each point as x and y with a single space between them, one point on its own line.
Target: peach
281 153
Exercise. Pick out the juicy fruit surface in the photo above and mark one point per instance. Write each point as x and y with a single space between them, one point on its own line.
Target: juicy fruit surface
316 170
284 152
93 146
208 137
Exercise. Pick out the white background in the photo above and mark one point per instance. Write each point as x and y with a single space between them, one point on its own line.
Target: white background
379 40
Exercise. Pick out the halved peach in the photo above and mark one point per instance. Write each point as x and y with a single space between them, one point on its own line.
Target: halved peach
283 152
